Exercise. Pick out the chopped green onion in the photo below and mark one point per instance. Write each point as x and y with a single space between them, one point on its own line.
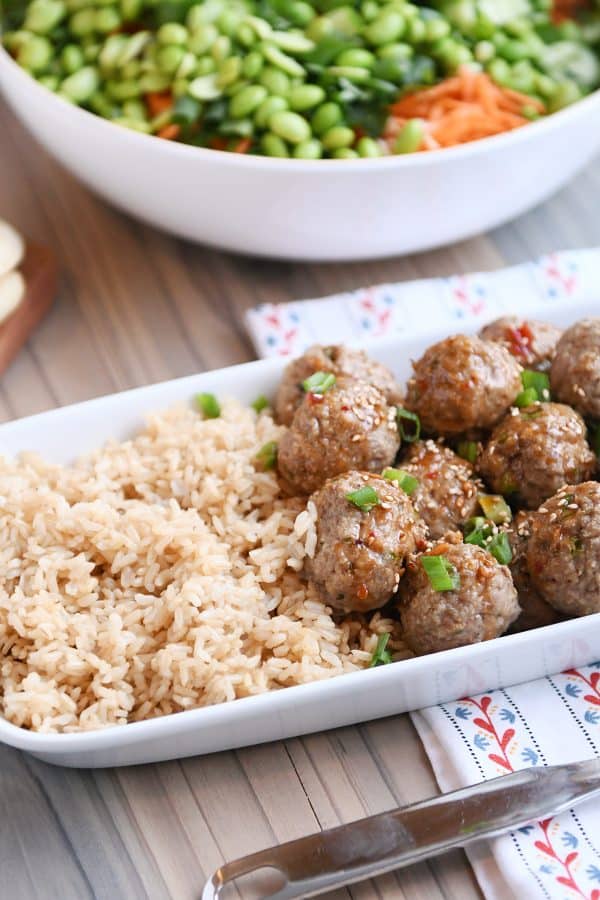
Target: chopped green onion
381 656
404 415
365 498
500 548
407 482
495 508
267 455
480 536
319 382
441 573
526 398
209 405
467 450
260 403
537 381
485 534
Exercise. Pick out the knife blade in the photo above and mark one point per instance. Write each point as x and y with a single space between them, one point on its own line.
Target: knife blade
377 844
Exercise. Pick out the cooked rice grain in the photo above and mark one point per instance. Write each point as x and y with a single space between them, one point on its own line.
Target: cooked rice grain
160 574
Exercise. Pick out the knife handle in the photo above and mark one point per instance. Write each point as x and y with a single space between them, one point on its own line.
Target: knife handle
378 844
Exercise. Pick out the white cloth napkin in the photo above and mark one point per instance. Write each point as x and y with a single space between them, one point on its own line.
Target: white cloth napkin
553 720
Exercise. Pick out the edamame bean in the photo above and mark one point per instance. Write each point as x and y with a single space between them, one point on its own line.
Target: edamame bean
35 53
273 145
83 22
80 86
345 153
356 57
319 28
252 64
266 109
410 137
153 81
172 33
229 21
337 137
484 51
132 47
204 13
290 126
205 66
102 106
202 38
169 58
387 27
300 13
311 149
130 9
120 90
221 48
370 10
351 73
346 21
44 15
229 71
135 109
367 147
325 117
275 81
566 92
133 124
247 101
282 61
71 58
291 42
436 28
398 51
305 96
205 87
180 87
49 81
106 20
131 70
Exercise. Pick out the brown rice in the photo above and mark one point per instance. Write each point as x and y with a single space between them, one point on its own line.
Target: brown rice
158 575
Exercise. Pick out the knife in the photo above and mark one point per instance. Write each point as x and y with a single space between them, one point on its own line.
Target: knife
375 845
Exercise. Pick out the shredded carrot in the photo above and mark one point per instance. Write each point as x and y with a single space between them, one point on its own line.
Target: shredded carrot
218 143
169 132
463 108
158 102
243 145
563 10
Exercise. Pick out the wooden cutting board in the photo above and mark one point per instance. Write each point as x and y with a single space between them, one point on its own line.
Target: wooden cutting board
40 271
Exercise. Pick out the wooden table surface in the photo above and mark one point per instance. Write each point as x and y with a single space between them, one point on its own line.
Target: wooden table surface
137 306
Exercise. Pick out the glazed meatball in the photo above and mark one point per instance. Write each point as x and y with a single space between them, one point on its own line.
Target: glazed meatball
563 553
361 553
446 495
575 372
337 359
463 384
535 612
534 451
531 342
482 607
350 426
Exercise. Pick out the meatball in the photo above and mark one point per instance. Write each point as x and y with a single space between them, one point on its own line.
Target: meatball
563 553
361 553
534 451
482 607
350 426
337 359
535 612
463 384
446 495
575 372
530 341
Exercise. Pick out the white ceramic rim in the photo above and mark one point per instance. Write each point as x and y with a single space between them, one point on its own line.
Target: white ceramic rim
246 161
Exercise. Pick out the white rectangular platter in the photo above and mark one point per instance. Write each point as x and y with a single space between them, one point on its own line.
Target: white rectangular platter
63 434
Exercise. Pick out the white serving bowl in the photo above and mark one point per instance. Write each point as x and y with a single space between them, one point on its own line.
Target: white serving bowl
312 210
